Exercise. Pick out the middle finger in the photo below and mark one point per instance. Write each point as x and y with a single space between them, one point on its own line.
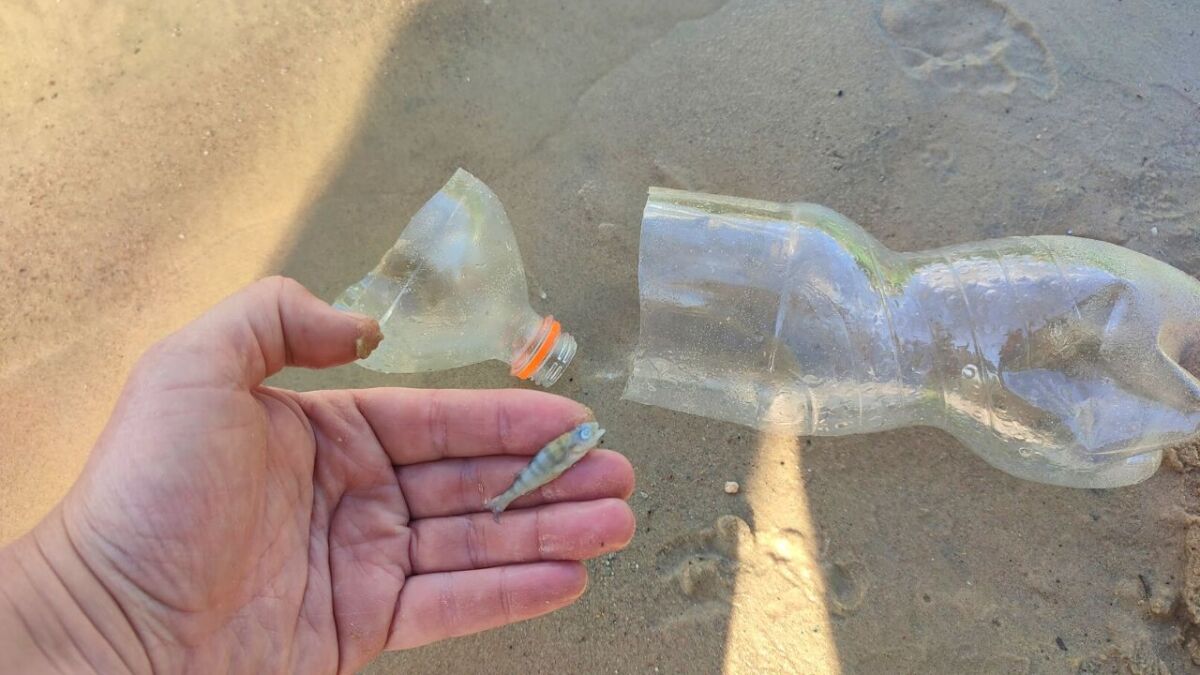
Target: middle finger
565 531
452 487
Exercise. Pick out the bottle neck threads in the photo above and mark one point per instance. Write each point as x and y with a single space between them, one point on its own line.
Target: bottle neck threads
544 357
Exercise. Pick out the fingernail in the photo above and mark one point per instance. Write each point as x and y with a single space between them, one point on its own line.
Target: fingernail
369 335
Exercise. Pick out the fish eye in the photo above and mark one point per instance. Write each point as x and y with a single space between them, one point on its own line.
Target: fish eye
585 433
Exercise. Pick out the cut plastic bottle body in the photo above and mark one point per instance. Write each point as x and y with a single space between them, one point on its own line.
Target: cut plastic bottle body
452 292
1056 359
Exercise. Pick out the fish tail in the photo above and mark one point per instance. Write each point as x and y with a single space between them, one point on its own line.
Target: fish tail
498 503
495 507
501 501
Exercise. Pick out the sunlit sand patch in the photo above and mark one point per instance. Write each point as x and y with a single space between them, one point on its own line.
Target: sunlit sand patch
196 178
779 621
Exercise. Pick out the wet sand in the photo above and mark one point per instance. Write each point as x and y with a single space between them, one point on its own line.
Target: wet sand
157 156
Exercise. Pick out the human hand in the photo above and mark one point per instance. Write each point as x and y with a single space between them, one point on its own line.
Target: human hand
223 525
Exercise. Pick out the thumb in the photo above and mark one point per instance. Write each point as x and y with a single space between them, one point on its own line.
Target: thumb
272 323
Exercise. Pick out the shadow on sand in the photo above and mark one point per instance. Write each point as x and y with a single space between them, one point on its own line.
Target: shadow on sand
569 111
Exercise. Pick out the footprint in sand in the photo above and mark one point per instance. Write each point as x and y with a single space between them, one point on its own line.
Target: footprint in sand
847 581
703 564
979 45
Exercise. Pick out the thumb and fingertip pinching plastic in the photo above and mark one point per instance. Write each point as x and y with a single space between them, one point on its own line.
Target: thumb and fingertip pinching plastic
451 292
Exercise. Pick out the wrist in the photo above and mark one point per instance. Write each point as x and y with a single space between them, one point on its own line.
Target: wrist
55 615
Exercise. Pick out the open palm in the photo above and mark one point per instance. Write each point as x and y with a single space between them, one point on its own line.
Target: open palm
240 527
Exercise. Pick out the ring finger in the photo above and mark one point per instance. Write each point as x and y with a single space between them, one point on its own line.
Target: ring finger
562 531
451 487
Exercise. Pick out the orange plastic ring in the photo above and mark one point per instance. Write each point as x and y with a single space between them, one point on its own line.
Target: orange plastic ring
543 351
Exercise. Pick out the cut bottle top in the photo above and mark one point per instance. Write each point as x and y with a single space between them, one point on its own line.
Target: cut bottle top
452 292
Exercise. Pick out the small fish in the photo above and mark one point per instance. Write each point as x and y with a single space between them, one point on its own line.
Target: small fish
549 463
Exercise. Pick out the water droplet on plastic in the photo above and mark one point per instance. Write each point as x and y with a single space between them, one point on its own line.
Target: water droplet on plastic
969 371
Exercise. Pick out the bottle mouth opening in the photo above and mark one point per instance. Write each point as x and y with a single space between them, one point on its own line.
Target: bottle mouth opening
544 357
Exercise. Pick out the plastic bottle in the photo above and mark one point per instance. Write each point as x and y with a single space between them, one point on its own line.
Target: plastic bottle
1057 359
451 292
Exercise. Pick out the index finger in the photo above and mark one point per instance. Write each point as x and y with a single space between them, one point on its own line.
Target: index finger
423 425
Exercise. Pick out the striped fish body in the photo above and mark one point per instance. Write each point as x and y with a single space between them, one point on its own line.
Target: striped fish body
549 463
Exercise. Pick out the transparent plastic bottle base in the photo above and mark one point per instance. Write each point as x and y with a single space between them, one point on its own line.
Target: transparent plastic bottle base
452 292
1061 360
